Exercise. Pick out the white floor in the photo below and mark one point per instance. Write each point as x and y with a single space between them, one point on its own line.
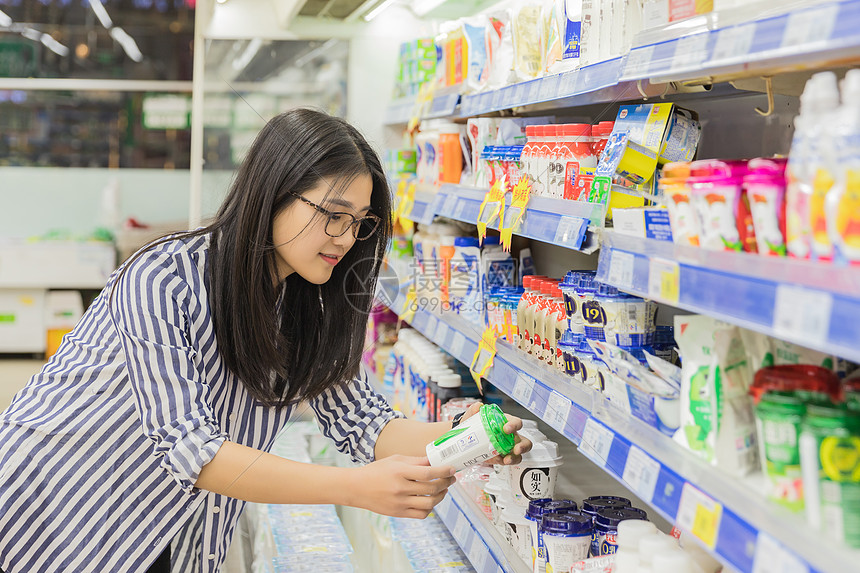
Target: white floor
14 374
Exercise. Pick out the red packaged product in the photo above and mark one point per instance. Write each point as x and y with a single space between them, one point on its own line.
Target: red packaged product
794 377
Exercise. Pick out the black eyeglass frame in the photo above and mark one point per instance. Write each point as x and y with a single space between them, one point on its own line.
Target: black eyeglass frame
369 217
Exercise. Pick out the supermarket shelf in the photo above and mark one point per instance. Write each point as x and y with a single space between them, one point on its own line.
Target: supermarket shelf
731 517
487 550
444 104
814 305
712 48
803 38
556 221
399 111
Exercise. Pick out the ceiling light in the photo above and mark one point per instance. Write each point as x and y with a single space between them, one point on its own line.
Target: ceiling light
49 42
128 44
5 20
82 51
250 51
318 51
32 34
379 8
101 13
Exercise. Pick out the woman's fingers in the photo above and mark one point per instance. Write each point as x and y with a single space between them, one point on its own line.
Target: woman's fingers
432 487
427 473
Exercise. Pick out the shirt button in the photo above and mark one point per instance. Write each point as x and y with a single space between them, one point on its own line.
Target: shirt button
216 509
211 557
232 417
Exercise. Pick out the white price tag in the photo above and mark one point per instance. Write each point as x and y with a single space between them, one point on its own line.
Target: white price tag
557 411
566 234
772 557
621 269
596 442
523 388
430 328
699 514
640 473
449 205
457 345
690 51
568 84
638 62
461 529
734 42
534 91
441 334
802 313
810 26
664 280
478 555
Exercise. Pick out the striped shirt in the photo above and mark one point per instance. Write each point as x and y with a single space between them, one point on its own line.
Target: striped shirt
100 451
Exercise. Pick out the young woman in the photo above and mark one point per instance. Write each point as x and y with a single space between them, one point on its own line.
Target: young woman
136 446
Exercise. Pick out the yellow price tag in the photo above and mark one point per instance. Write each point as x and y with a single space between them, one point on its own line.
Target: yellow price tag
706 524
664 280
492 207
409 307
406 207
512 219
483 358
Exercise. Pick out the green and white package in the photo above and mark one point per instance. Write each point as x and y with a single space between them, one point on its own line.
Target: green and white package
717 421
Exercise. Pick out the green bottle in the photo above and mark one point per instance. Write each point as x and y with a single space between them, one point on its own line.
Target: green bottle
778 418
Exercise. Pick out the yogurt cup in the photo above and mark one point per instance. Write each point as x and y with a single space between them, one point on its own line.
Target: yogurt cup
535 477
569 346
503 501
517 531
606 526
493 489
480 438
591 505
566 539
535 512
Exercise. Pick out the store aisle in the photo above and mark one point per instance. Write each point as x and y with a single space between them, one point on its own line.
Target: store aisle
14 374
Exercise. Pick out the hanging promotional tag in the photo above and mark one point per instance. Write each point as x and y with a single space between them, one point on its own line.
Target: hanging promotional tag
513 216
492 207
482 361
406 206
399 196
422 105
407 312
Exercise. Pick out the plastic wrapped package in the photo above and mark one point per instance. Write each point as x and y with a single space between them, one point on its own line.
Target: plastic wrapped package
501 54
526 30
475 34
553 23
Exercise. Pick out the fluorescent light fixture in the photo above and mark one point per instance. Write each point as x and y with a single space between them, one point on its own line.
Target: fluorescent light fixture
305 58
421 7
379 8
101 13
250 51
128 44
53 45
5 20
32 34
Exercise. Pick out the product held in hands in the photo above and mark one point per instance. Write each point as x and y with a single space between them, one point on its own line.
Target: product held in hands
477 440
566 539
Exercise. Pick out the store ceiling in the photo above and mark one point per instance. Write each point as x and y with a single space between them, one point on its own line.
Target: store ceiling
337 9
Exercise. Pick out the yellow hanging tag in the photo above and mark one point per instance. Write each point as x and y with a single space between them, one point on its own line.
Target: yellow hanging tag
422 105
492 207
406 207
399 197
407 313
514 214
482 361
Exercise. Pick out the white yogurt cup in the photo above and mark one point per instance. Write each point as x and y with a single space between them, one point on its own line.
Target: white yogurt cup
493 489
535 477
503 501
566 539
479 439
517 531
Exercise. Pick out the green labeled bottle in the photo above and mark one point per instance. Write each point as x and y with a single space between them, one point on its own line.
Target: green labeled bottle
778 417
830 462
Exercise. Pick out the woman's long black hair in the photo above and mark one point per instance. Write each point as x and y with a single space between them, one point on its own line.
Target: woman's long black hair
316 339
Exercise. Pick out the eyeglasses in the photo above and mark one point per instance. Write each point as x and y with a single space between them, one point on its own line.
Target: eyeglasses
338 223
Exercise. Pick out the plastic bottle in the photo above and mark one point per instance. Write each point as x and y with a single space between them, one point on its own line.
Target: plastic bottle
480 438
556 325
449 156
523 307
449 386
823 156
778 419
579 155
528 150
651 545
799 177
843 201
629 533
764 186
539 350
542 164
464 290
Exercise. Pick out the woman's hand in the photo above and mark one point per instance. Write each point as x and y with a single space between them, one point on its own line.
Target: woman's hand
400 486
513 426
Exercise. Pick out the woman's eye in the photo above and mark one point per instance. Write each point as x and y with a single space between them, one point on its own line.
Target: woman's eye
335 217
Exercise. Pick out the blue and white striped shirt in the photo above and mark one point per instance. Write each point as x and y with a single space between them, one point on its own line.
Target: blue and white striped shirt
100 451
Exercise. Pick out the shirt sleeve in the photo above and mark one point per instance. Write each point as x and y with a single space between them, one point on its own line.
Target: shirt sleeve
150 309
352 415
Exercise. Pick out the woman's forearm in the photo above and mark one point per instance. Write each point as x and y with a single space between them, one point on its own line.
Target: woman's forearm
253 475
407 437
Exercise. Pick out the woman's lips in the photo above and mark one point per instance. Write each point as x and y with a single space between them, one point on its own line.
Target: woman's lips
330 259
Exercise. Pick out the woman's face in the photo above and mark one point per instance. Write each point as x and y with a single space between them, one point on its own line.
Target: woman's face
299 231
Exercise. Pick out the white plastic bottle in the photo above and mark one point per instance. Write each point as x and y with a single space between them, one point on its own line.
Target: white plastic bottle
799 180
843 201
823 156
